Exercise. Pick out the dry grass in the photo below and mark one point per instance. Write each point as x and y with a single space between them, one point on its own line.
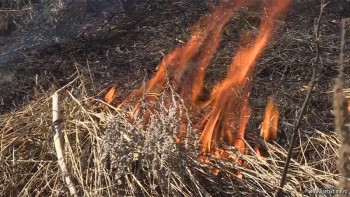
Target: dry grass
112 153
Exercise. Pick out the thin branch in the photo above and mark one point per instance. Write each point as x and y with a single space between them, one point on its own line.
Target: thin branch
58 141
62 88
306 101
341 117
24 10
342 43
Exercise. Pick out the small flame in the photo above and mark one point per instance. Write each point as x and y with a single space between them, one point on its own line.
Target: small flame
269 126
258 152
243 121
110 96
348 103
239 175
216 171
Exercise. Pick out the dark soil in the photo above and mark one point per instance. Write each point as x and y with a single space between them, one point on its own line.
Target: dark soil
117 47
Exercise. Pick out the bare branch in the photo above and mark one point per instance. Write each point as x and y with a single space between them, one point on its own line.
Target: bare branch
58 141
315 64
341 117
23 10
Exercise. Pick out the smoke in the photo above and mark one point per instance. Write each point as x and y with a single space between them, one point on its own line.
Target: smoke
31 23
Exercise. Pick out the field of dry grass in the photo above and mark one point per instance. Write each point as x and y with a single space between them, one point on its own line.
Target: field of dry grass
110 152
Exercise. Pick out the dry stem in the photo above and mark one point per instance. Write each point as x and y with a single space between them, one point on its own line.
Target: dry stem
306 101
58 139
341 119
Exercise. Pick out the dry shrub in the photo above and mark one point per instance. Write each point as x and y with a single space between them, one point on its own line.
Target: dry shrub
145 160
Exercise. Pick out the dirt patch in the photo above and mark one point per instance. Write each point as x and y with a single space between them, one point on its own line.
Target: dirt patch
117 47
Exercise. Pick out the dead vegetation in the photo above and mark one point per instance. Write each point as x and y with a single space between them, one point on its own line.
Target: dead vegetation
114 155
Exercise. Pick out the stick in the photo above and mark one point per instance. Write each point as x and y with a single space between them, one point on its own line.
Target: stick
58 140
62 88
306 101
341 116
342 43
24 10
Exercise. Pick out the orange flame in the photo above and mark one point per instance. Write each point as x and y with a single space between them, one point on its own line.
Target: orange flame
194 80
176 62
192 58
241 68
257 151
229 114
187 64
270 124
243 121
109 98
348 101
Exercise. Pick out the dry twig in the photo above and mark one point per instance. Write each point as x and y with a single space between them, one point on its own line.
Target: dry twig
58 139
9 10
341 119
306 101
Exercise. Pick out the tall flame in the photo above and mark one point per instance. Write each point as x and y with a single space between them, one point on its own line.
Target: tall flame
241 68
187 64
229 111
243 121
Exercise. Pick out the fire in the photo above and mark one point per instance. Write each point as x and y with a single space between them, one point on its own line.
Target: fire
187 64
257 152
226 98
270 124
207 34
109 98
243 121
228 107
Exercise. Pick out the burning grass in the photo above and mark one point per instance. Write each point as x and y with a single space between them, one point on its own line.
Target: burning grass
157 150
116 155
